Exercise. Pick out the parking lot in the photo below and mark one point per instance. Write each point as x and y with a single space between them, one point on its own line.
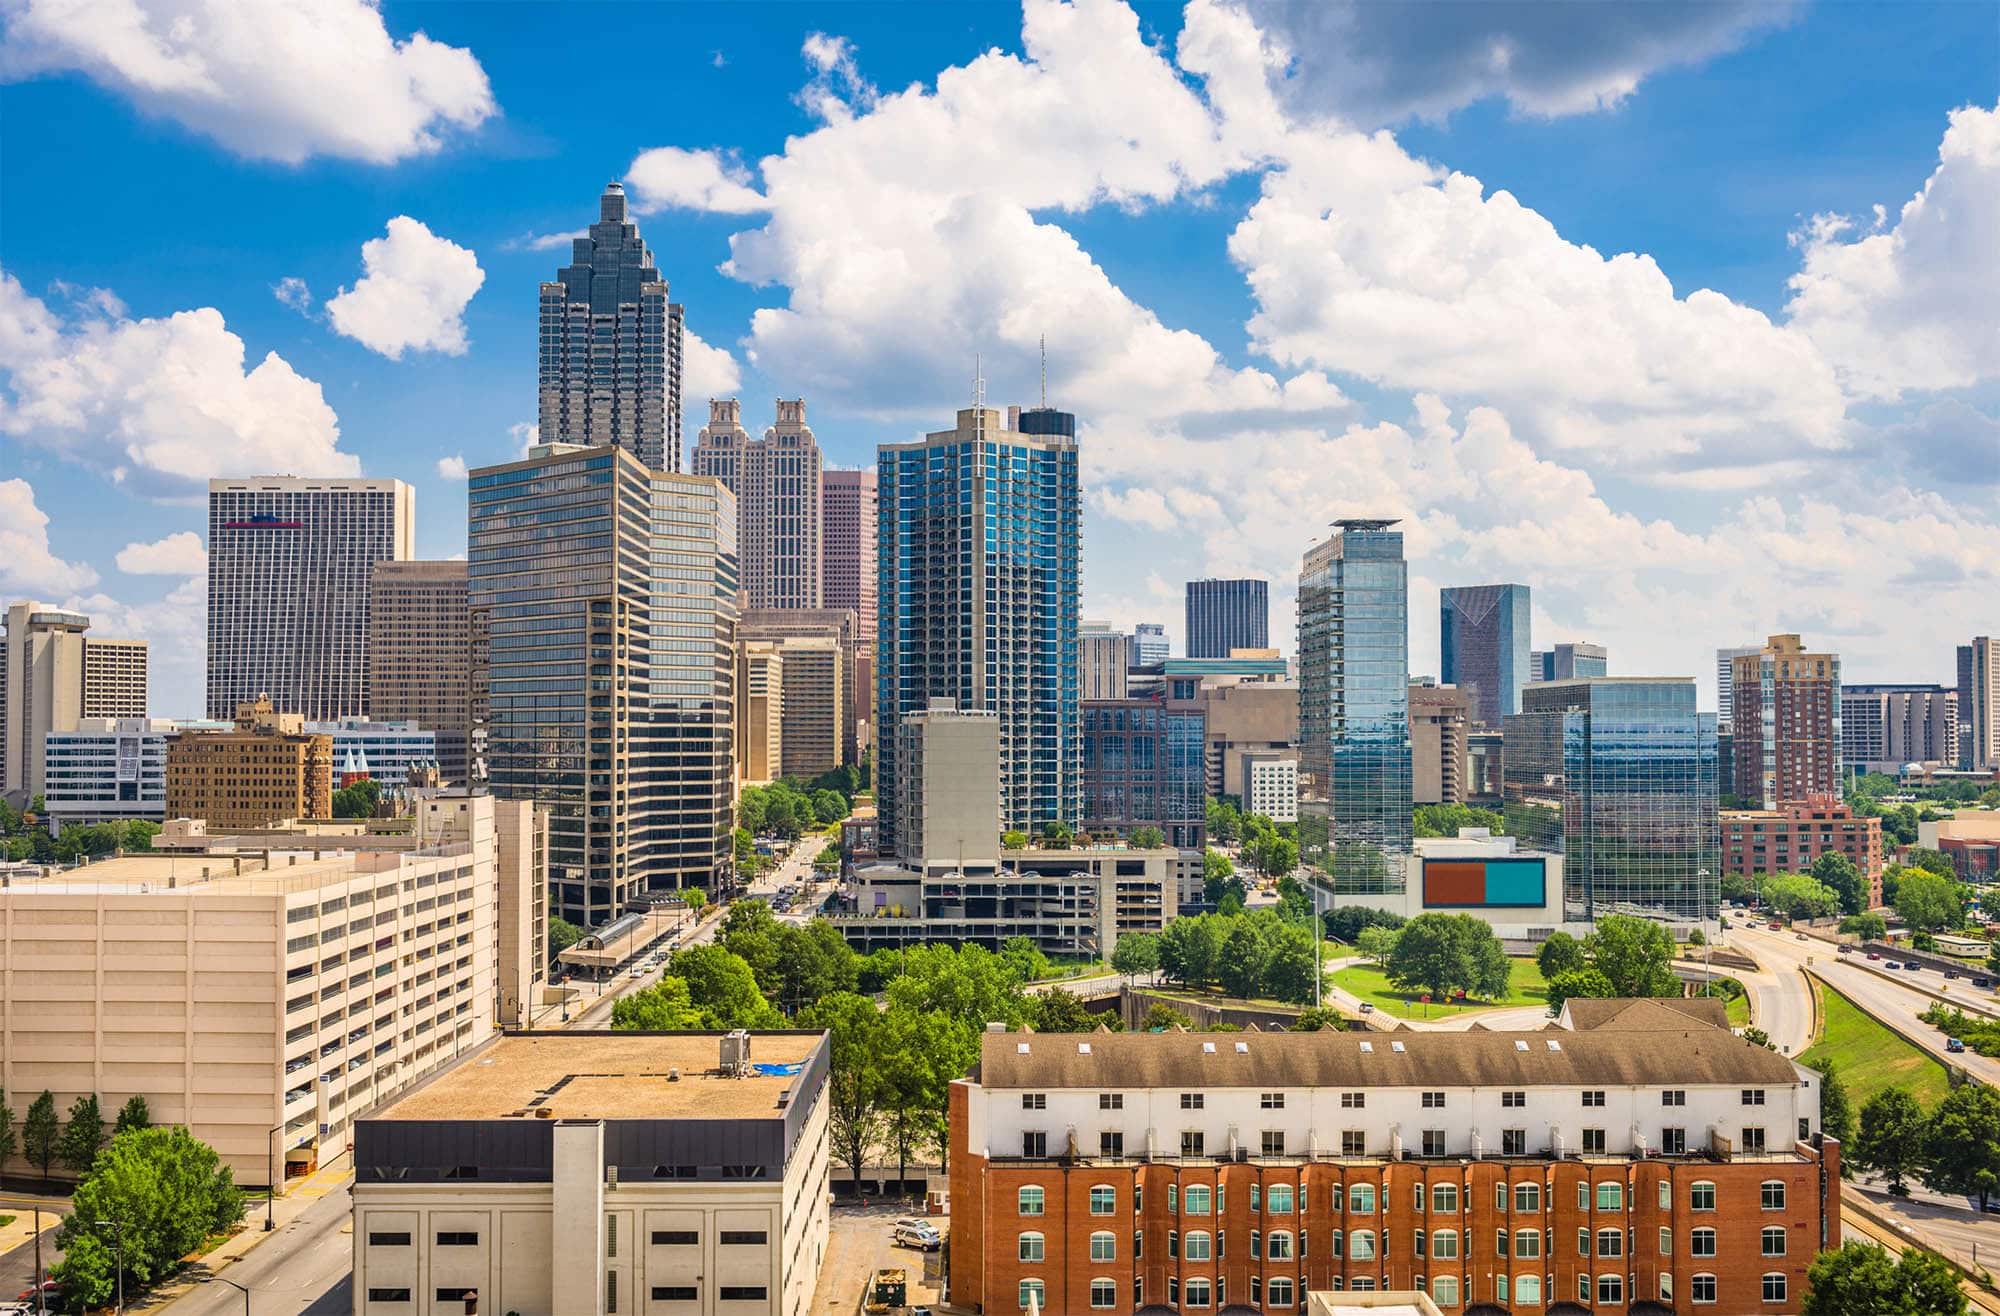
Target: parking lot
860 1245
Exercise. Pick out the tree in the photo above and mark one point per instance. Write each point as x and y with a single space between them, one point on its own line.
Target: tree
1225 823
1377 944
813 961
1932 861
722 984
966 983
1836 1109
1448 953
1891 1141
1561 953
1928 1285
1758 1037
1837 872
134 1114
855 1073
927 1051
168 1191
1164 1018
1738 888
1057 835
1861 1279
750 931
83 1135
663 1007
1797 896
1291 961
8 1140
1446 819
1014 840
1314 1018
1573 983
562 935
1927 901
1218 878
829 806
1188 949
1869 926
1147 838
1136 953
1240 965
1346 922
1634 954
359 800
41 1133
1276 855
1025 958
1963 1147
828 858
1060 1011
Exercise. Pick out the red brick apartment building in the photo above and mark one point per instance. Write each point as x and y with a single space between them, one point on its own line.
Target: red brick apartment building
1650 1163
1788 839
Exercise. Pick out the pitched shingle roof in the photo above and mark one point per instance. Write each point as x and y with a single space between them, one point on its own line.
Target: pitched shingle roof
1643 1012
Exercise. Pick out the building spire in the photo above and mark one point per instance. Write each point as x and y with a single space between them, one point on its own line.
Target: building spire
1045 370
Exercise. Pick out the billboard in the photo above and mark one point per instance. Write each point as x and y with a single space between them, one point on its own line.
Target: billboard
1484 884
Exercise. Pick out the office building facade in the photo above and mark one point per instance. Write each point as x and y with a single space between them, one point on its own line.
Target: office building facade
610 358
760 711
1885 727
1725 683
1617 774
53 676
1785 710
265 769
1354 709
1226 615
848 570
1143 767
1567 661
111 769
1105 656
420 651
1756 842
383 752
289 568
1244 719
1271 786
1979 704
608 593
1150 644
777 483
835 626
1483 647
979 547
1440 720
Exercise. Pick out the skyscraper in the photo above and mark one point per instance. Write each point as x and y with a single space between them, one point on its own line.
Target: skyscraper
289 565
1725 683
1568 661
1354 709
848 520
1149 644
420 650
1483 647
611 345
52 676
1223 615
1979 704
608 593
1106 657
1785 706
1883 727
1618 775
776 480
978 551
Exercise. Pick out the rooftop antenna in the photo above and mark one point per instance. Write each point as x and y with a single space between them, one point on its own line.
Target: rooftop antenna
978 395
1045 372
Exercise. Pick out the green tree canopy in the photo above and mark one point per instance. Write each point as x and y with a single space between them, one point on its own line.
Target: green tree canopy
1738 888
1146 838
1014 840
1446 819
1573 983
663 1007
1928 901
9 1140
1448 953
1836 1108
1869 926
1225 821
168 1191
359 800
723 984
1346 922
1136 953
962 982
134 1114
855 1073
1838 873
1892 1139
1797 896
83 1135
1634 954
1161 1018
41 1133
1962 1150
1561 953
1314 1018
1060 1011
562 935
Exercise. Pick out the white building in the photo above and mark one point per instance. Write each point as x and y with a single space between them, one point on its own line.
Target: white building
110 769
1271 786
385 751
1518 892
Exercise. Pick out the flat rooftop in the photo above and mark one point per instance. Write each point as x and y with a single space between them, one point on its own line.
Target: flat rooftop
169 873
609 1075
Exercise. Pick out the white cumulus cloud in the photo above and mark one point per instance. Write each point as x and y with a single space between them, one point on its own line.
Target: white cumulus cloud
292 291
706 371
28 568
668 176
279 82
163 402
451 468
179 554
413 294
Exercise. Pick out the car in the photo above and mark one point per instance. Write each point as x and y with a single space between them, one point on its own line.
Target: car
1777 926
639 972
920 1311
1912 965
917 1234
1844 949
1874 954
1798 936
1368 1007
1950 975
1953 1044
1982 982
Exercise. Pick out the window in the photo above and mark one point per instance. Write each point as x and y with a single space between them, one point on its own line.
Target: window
1674 1097
1610 1242
1753 1096
1280 1292
1353 1100
459 1238
610 1235
1103 1293
1138 1243
1499 1242
676 1237
1191 1143
1582 1195
1362 1245
1278 1247
1173 1199
1339 1244
1593 1097
1444 1198
1666 1194
388 1240
1111 1101
742 1237
1256 1290
1528 1290
1138 1197
1279 1200
1433 1144
1593 1142
1500 1195
1444 1290
1031 1291
388 1295
1513 1100
1513 1142
1029 1201
1256 1197
1034 1144
1030 1246
1666 1241
1773 1194
1702 1288
1610 1290
1111 1143
1195 1200
758 1293
1271 1101
674 1293
1666 1286
1774 1241
1103 1246
1191 1101
1103 1199
1674 1142
1528 1243
1433 1101
1444 1244
1701 1242
1195 1247
1610 1196
1774 1287
1701 1196
1583 1242
1500 1287
1583 1288
1256 1244
1173 1291
1197 1295
1034 1101
1353 1142
1361 1199
1753 1138
1274 1142
1422 1245
1527 1197
457 1293
1174 1243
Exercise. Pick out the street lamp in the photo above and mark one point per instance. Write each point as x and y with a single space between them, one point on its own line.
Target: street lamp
271 1192
1701 884
118 1250
217 1279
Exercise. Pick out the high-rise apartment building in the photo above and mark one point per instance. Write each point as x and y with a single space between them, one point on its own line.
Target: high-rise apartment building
1150 645
1354 709
1979 704
611 345
607 590
1785 715
1725 683
1567 661
52 676
1105 657
1884 727
848 518
1483 647
1440 719
1226 615
776 480
1617 774
420 656
978 549
266 770
289 566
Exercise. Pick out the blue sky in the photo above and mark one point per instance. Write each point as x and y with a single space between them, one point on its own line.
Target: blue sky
1251 234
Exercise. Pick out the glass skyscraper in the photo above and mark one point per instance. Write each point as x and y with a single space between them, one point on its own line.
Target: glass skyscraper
1149 644
611 345
978 548
1354 710
1483 647
1223 615
1618 774
607 593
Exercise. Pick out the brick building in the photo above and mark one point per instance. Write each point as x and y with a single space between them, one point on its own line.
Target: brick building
1788 839
270 769
1785 710
1664 1162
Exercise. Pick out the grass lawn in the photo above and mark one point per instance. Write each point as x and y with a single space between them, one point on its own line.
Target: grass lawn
1370 983
1739 1011
1869 1056
6 1220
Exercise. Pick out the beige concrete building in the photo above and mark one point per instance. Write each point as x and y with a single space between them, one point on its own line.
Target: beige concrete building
776 481
420 649
1243 719
819 734
269 769
587 1174
948 810
1440 720
1104 658
264 993
760 713
1271 785
52 676
838 625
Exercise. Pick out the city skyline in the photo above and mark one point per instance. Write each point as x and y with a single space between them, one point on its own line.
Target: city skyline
409 244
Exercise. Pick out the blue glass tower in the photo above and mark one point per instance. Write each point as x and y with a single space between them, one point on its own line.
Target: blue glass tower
978 569
1354 710
1483 647
1225 615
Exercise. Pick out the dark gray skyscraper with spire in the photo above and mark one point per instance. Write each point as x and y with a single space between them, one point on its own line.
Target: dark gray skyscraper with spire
611 345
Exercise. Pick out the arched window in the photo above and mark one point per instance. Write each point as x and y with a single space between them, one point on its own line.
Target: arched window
1611 1197
1610 1242
1701 1196
1362 1244
1527 1197
1444 1290
1197 1294
1195 1200
1104 1246
1444 1244
1278 1246
1030 1248
1774 1286
1701 1289
1103 1293
1195 1247
1280 1293
1336 1284
1773 1195
1444 1199
1032 1291
1361 1199
1528 1243
1774 1241
1701 1242
1103 1199
1029 1201
1278 1201
1610 1290
1528 1290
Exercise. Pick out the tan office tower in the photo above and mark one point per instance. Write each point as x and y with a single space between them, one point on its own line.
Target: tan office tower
52 676
289 562
760 712
1785 708
776 480
1440 717
818 734
782 625
1105 655
848 565
268 770
420 655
